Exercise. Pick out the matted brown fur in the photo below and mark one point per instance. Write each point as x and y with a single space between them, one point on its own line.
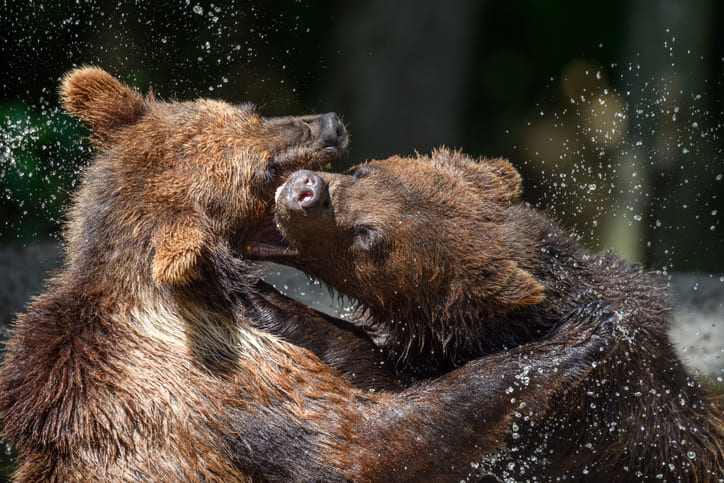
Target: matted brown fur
141 360
449 266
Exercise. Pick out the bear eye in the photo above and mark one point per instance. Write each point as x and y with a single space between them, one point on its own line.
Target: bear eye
369 240
359 172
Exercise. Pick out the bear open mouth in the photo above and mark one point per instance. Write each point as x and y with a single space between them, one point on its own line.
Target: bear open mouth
268 242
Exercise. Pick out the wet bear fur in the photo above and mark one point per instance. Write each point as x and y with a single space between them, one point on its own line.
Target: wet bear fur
143 359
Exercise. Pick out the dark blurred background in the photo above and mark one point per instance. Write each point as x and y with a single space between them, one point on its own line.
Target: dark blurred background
611 110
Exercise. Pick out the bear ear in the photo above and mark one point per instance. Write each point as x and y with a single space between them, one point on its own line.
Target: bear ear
93 95
507 286
506 176
520 289
497 177
179 247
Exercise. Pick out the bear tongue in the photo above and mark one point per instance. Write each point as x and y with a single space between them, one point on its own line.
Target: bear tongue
268 242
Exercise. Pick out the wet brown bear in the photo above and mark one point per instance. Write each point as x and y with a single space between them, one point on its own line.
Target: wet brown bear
450 266
141 362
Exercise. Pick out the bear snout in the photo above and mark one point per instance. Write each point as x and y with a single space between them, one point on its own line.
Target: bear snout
331 132
306 192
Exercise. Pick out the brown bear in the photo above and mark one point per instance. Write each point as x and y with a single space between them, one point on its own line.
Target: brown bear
449 266
141 361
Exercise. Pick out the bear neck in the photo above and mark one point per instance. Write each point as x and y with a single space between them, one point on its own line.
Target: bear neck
108 258
429 341
207 316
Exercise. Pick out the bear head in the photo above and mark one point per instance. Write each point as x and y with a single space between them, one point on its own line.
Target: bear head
175 181
422 243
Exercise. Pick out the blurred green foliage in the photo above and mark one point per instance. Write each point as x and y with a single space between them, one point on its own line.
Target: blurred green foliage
43 154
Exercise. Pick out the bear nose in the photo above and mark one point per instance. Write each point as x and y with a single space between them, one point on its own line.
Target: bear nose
331 131
306 192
